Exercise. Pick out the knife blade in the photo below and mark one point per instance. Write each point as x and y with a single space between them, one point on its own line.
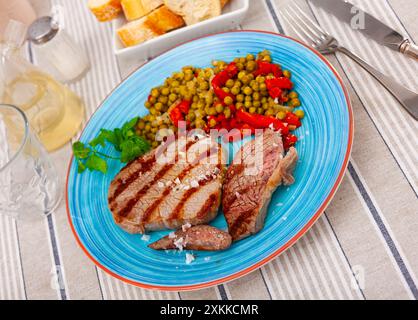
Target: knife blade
372 27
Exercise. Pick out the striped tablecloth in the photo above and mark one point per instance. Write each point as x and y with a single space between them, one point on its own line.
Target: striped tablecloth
365 246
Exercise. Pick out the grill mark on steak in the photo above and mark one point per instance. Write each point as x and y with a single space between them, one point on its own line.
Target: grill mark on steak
183 173
140 193
145 167
189 193
207 205
234 228
229 201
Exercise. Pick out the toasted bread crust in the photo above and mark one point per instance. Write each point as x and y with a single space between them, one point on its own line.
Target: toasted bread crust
163 20
105 10
135 32
135 9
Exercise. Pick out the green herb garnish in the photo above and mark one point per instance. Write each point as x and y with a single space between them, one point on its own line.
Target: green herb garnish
125 140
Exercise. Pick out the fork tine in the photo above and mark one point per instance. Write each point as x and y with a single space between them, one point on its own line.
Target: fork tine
295 30
293 23
314 26
299 21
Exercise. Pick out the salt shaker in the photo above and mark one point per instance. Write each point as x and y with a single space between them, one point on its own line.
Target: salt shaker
55 51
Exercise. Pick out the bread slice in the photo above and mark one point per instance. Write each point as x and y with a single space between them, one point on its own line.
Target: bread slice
105 10
135 32
163 20
223 3
135 9
194 11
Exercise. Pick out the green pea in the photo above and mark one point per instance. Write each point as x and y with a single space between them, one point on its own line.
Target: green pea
252 110
295 102
257 104
211 111
175 84
260 79
287 74
241 75
293 95
227 112
165 91
248 91
228 100
158 106
204 85
155 93
281 115
172 97
235 90
219 108
229 83
269 112
250 57
141 124
251 66
240 98
300 114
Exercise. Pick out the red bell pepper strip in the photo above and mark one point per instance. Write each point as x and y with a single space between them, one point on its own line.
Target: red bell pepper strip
275 92
292 119
179 112
289 140
220 80
264 68
281 82
262 122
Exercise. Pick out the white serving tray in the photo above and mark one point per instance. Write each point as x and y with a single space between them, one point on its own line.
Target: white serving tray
232 15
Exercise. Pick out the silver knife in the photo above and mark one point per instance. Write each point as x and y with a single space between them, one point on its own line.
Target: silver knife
373 28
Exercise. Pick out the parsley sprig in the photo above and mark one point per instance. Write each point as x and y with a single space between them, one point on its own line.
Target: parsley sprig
124 139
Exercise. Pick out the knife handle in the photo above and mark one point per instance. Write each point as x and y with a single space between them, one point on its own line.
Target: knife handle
409 49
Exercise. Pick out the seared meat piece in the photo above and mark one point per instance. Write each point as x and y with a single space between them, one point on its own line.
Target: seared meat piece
202 237
251 181
179 182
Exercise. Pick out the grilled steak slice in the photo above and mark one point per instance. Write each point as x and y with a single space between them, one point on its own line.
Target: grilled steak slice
177 183
251 180
202 237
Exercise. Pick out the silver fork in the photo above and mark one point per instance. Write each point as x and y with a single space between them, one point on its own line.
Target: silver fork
311 33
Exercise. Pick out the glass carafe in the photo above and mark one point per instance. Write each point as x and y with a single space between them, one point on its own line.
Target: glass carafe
55 113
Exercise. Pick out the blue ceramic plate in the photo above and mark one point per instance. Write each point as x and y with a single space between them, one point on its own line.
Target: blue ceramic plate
324 147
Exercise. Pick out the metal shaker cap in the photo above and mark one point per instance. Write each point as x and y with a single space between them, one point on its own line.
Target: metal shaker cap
42 30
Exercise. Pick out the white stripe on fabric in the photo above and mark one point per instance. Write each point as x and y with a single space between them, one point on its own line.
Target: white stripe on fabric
307 265
268 269
12 258
343 258
4 257
397 245
330 251
300 271
293 273
18 258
